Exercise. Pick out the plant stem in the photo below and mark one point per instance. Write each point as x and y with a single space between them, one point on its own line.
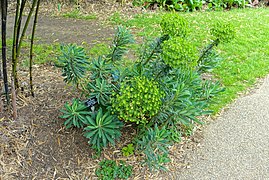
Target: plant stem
152 53
4 4
159 42
207 49
31 48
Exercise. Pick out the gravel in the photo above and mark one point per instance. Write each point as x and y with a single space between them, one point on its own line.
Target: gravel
236 145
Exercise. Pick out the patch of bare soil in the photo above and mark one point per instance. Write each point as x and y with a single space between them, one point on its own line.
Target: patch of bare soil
64 30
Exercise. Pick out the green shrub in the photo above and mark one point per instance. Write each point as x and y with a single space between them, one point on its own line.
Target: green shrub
208 61
120 44
75 114
102 129
191 5
100 68
186 98
174 25
109 169
138 100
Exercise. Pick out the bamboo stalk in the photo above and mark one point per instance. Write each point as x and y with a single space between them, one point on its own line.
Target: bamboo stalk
14 99
20 43
19 20
18 29
1 102
14 45
31 49
4 5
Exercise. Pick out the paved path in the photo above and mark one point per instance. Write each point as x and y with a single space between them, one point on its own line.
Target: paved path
65 30
236 145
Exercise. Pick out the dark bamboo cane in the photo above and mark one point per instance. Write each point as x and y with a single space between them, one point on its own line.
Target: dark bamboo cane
4 45
31 49
20 43
18 29
15 45
19 20
1 102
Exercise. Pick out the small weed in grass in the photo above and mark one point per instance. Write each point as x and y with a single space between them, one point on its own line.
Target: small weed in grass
128 150
109 169
116 18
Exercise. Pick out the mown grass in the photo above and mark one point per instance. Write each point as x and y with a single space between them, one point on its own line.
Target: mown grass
42 53
246 58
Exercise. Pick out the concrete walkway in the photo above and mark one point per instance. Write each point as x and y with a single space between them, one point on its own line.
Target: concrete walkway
236 145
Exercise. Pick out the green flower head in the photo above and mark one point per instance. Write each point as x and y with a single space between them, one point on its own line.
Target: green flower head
174 25
178 52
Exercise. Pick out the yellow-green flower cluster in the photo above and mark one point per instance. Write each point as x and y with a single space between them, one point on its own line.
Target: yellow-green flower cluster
173 24
178 52
139 100
224 32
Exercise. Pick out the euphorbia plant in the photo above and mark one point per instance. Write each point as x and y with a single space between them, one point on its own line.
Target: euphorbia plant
162 91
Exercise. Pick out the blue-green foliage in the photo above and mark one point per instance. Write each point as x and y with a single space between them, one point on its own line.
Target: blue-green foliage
120 44
102 90
154 144
74 63
74 114
102 128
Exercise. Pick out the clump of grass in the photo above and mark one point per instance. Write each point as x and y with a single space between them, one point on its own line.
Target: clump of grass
43 53
147 24
98 50
76 14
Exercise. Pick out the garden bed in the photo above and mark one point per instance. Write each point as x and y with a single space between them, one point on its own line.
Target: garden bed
37 145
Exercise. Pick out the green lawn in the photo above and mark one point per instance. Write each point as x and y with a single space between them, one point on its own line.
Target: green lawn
246 58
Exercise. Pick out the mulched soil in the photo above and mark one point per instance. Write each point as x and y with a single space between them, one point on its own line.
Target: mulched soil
37 146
